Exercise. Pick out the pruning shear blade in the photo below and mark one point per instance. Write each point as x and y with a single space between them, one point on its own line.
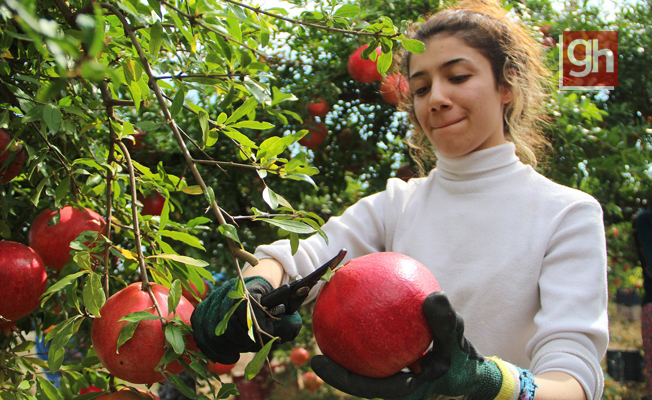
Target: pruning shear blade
287 298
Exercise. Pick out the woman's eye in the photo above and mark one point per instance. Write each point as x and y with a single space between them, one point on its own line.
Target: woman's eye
460 78
421 90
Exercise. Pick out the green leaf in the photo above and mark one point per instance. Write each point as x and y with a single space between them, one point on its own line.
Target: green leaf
62 283
198 221
182 259
209 194
183 237
253 125
174 296
127 129
347 11
278 96
327 276
203 123
235 295
48 388
243 110
23 346
221 327
384 62
136 94
240 138
168 357
174 336
294 243
270 198
250 323
39 189
413 46
179 384
233 26
58 343
226 390
177 103
126 333
301 177
316 226
93 295
289 225
63 189
156 38
260 93
228 99
165 214
253 368
139 316
230 232
194 190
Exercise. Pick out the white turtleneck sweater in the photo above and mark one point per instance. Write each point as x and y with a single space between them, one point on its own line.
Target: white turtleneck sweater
522 259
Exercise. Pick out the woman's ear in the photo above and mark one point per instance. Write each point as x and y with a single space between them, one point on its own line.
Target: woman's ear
506 94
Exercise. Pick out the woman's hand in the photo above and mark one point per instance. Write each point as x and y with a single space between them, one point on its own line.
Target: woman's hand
453 367
226 348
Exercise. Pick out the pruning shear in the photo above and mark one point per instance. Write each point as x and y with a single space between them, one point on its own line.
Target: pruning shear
287 299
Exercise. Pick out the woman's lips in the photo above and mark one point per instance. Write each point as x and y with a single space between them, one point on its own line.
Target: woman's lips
447 124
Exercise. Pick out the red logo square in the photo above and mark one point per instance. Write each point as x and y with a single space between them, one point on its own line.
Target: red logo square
588 60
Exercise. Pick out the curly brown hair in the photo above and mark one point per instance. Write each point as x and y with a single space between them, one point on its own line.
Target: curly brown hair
517 61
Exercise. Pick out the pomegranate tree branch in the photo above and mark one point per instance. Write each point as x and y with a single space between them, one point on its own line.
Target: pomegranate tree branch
258 10
186 76
107 98
229 164
134 215
235 249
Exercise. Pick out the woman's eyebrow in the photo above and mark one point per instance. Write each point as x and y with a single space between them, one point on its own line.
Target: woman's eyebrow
443 66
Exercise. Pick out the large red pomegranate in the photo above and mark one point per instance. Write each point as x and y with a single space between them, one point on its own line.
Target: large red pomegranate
23 278
369 319
52 243
14 168
364 71
140 355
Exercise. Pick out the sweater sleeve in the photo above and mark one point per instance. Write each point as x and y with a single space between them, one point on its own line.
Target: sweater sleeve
360 230
572 324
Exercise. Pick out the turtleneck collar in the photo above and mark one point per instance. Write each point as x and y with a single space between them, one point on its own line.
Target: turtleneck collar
478 164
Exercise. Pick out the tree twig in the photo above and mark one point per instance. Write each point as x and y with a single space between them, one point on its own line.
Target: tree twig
134 214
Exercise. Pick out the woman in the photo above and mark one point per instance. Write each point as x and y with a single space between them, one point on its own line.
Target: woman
521 258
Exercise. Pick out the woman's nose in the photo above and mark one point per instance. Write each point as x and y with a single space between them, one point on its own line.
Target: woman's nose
439 99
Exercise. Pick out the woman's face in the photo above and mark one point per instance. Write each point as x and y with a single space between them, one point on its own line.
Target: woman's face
455 97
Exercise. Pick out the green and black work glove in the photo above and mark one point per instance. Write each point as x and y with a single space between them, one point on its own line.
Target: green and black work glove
453 367
226 348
